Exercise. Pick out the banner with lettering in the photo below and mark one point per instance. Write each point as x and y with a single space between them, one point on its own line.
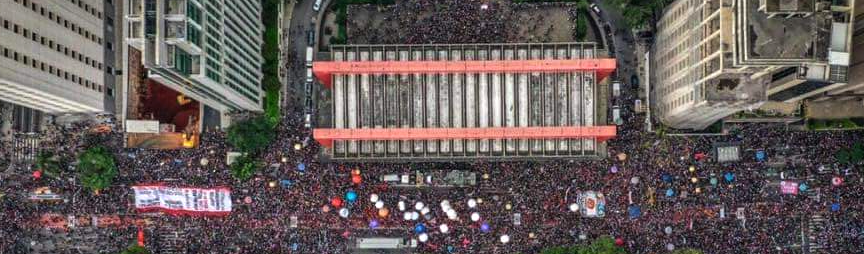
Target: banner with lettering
181 200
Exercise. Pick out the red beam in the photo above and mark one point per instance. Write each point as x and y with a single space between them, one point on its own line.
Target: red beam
325 70
601 133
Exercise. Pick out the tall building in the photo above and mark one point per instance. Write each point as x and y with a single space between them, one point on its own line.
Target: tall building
54 57
713 58
856 67
208 50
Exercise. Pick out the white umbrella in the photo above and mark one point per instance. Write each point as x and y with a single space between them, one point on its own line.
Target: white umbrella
475 216
419 205
423 237
343 212
444 228
634 180
574 207
401 205
505 239
204 161
406 216
415 216
472 203
379 204
373 198
424 211
445 203
451 214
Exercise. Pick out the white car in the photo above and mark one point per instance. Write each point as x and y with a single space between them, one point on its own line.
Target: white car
595 8
317 5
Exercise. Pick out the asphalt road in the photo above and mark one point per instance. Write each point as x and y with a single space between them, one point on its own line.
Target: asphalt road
302 20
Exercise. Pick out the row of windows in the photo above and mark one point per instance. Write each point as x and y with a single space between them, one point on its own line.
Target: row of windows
61 21
92 10
46 67
50 43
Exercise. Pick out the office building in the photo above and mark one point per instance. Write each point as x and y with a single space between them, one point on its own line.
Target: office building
54 60
713 58
208 50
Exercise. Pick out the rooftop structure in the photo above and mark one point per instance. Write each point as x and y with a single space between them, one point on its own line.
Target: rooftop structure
463 101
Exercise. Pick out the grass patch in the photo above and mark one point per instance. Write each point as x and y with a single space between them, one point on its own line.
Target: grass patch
834 124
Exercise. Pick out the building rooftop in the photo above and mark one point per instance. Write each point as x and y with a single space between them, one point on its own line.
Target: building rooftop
782 37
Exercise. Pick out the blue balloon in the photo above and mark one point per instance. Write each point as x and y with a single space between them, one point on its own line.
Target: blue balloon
420 228
760 155
802 187
373 224
670 192
835 207
351 196
301 167
485 227
729 176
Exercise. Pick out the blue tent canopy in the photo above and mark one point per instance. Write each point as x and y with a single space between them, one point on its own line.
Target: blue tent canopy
634 211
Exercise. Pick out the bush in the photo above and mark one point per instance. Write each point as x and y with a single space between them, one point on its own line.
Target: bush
244 168
271 106
96 168
251 135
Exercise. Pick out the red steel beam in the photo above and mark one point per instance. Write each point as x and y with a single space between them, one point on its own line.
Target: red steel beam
324 70
601 133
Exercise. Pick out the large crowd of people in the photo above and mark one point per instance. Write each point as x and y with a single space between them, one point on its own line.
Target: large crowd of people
679 207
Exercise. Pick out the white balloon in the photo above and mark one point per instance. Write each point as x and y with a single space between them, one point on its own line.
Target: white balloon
415 216
344 212
379 204
445 203
423 237
424 211
401 205
475 216
472 203
668 230
444 228
574 207
670 247
418 206
505 239
406 216
373 198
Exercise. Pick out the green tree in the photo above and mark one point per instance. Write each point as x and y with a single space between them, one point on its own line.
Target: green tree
244 168
48 163
251 135
135 249
842 156
96 168
856 154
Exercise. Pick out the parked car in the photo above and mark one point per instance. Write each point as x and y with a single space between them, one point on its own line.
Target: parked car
317 5
595 8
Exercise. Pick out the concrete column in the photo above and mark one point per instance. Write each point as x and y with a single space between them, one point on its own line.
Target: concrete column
5 120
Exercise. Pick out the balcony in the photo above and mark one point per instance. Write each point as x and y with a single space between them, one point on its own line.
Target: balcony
134 9
175 30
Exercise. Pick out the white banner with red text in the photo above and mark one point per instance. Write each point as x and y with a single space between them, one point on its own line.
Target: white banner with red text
182 200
